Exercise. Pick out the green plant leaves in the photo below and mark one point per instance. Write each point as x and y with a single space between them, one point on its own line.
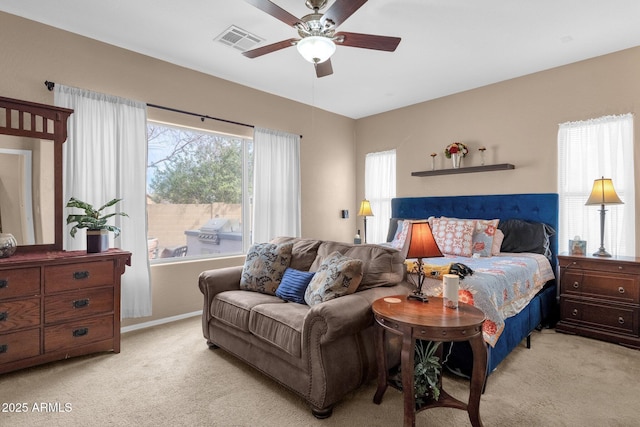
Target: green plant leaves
92 218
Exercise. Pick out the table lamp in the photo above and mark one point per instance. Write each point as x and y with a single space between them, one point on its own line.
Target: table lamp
602 194
421 245
365 211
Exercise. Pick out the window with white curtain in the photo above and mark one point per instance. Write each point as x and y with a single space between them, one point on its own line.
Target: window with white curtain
379 189
589 150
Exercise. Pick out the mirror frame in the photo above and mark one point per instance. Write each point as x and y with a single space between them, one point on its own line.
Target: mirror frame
44 122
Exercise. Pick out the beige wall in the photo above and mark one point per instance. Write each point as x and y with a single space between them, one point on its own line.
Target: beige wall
517 120
33 53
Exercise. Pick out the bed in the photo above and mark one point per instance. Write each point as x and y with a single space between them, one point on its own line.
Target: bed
536 305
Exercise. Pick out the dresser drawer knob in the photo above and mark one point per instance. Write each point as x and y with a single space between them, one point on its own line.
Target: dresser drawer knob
80 332
620 290
4 316
576 285
621 320
575 312
4 283
4 348
81 303
79 275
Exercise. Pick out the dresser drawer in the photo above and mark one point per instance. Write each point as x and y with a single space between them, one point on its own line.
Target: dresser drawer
615 287
77 333
19 345
619 319
608 265
18 314
73 305
76 276
19 282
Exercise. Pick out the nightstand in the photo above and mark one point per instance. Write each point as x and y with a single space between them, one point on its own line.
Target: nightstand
600 298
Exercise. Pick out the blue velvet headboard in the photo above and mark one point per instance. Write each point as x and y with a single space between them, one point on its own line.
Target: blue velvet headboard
542 207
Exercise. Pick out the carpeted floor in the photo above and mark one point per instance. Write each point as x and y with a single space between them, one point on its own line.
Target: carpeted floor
166 376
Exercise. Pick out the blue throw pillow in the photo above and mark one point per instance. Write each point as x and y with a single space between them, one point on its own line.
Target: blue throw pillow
293 285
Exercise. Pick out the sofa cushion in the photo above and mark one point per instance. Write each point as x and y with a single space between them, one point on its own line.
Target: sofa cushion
264 267
280 325
234 307
382 266
338 275
294 284
304 251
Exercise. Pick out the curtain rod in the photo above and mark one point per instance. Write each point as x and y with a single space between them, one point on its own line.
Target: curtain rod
51 85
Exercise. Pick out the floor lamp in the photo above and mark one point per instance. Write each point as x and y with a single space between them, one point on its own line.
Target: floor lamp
602 194
365 211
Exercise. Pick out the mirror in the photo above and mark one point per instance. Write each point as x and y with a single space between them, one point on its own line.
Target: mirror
26 189
31 138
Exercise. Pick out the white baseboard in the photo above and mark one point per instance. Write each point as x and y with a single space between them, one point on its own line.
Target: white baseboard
157 322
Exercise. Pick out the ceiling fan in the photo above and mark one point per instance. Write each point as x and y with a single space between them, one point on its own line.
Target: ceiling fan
318 36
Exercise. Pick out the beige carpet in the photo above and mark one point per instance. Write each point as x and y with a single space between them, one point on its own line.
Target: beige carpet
166 376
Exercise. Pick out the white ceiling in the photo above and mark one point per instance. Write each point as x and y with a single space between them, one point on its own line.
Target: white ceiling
447 46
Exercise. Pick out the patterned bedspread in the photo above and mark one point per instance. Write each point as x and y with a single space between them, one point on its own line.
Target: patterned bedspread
501 286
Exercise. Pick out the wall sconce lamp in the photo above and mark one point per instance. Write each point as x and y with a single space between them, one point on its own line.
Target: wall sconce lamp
365 211
602 194
421 245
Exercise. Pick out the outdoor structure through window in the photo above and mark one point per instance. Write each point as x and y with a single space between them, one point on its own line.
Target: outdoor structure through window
198 192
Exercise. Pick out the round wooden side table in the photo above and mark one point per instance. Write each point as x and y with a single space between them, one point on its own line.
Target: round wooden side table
433 322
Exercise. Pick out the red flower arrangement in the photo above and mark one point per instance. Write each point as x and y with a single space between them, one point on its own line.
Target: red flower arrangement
456 147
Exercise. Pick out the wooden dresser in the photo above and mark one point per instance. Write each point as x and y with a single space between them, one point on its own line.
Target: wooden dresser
600 298
55 305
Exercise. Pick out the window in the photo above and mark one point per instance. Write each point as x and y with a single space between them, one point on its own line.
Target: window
198 186
379 189
588 150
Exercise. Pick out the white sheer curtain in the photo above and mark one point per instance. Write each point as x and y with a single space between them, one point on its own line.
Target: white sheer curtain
276 185
588 150
105 158
379 189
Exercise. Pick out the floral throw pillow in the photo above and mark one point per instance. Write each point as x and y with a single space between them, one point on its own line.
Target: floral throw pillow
338 275
264 267
454 236
484 235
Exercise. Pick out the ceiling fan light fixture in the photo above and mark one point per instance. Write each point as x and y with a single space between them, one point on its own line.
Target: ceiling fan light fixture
316 49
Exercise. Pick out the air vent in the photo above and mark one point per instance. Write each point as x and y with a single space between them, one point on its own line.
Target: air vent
238 38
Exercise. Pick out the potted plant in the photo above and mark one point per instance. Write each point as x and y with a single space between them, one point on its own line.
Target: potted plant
95 222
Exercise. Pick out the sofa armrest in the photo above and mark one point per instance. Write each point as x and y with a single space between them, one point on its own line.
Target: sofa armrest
348 314
211 283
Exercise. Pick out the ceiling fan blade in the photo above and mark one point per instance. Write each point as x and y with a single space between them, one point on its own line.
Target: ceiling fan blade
341 10
324 68
254 53
369 41
275 11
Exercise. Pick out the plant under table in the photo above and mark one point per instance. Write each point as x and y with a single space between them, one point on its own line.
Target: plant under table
433 322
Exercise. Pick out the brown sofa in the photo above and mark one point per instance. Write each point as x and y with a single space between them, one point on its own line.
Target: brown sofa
320 352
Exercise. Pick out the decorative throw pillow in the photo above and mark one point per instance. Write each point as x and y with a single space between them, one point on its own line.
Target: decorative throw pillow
338 275
264 267
294 284
483 236
401 235
454 236
497 242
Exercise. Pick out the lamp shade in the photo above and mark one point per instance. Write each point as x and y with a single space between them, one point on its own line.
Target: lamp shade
365 208
421 243
316 49
603 193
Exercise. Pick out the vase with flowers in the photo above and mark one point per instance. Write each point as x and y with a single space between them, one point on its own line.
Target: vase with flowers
456 151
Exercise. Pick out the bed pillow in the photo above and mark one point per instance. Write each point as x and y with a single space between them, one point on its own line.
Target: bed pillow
497 242
264 267
401 236
483 236
294 284
338 275
454 236
395 224
526 236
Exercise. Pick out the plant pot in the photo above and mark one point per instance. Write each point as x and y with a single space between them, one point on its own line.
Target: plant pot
97 241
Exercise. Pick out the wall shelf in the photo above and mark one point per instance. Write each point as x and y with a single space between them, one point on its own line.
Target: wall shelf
485 168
